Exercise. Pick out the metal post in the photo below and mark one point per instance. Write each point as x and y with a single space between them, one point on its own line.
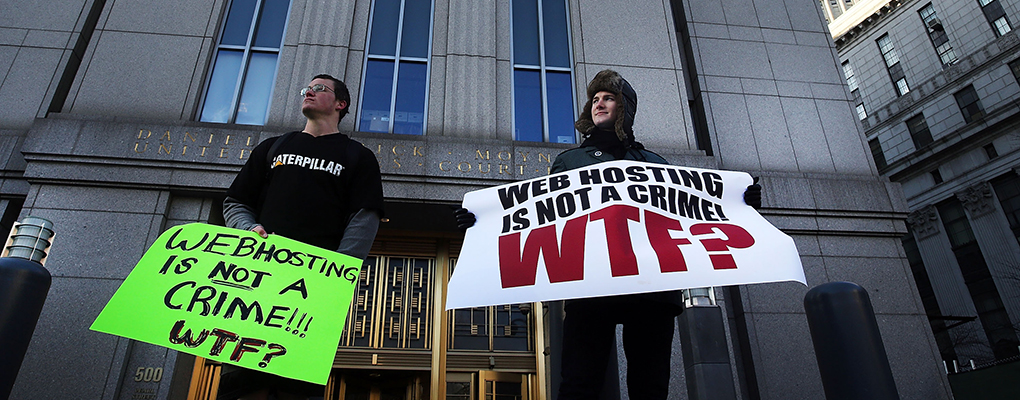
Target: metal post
703 342
24 284
848 344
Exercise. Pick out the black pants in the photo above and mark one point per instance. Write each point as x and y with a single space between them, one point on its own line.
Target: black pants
589 328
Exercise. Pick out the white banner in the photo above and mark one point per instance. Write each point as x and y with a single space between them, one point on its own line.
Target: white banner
616 228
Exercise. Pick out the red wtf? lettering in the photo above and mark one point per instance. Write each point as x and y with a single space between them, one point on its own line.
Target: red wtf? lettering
564 259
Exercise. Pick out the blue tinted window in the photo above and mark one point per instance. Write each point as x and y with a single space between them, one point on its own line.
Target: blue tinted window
414 41
375 99
238 25
255 96
527 106
557 48
525 19
274 17
409 116
561 107
543 90
220 95
410 80
385 20
226 101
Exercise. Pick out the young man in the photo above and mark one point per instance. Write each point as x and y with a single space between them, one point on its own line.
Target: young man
316 186
589 326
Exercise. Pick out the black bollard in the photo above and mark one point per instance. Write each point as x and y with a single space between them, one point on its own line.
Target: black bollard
24 284
848 345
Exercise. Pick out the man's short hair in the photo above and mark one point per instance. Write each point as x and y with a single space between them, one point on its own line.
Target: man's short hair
340 91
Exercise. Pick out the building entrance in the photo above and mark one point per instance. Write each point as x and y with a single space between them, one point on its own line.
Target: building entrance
381 385
399 342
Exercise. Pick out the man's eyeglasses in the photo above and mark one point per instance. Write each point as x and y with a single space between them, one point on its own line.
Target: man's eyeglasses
317 88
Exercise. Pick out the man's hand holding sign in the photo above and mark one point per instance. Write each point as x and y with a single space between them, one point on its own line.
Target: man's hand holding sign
616 228
271 304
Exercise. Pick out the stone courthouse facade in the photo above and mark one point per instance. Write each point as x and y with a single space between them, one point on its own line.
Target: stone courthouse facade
122 118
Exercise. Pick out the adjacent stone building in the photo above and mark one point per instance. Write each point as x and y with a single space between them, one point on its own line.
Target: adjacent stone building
121 118
935 85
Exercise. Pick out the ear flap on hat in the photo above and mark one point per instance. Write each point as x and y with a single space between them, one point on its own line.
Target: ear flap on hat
584 123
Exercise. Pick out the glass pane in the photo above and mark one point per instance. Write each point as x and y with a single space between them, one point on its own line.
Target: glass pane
235 31
395 297
385 20
508 389
527 106
470 329
554 25
511 329
891 58
409 116
902 87
258 87
525 32
358 327
220 94
927 13
561 107
851 80
270 30
1002 26
458 390
375 100
966 96
414 39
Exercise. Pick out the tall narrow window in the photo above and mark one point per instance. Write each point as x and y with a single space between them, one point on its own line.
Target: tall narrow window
892 64
876 152
241 82
542 79
996 16
937 34
969 104
851 81
394 90
919 131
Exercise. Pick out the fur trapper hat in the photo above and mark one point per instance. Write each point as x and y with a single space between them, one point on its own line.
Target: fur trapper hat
626 103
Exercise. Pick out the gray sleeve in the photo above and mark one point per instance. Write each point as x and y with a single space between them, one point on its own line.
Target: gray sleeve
238 215
360 234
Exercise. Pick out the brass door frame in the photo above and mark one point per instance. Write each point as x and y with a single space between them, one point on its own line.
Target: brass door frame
495 376
439 331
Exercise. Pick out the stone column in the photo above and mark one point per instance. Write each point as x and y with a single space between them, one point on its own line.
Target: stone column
947 282
998 245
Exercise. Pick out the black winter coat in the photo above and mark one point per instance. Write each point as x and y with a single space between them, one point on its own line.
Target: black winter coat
669 301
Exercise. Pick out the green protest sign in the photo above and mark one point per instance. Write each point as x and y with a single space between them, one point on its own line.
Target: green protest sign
275 305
